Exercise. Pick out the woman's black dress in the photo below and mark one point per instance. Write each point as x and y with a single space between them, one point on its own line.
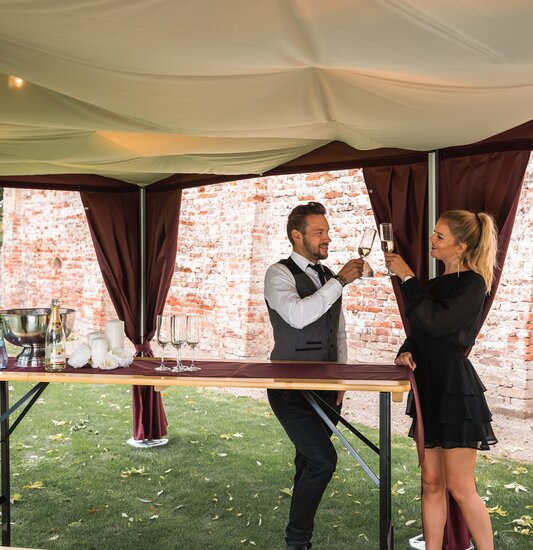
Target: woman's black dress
443 317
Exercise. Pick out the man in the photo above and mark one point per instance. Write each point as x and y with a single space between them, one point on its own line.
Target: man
304 304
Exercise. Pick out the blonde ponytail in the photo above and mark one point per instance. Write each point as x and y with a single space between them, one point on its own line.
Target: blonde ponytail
479 233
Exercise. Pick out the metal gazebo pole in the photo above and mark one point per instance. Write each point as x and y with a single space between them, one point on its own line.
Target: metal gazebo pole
433 191
142 260
146 443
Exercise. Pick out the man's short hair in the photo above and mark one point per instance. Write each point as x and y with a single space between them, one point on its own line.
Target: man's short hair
298 217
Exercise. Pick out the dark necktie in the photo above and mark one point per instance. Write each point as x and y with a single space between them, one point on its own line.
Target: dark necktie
320 270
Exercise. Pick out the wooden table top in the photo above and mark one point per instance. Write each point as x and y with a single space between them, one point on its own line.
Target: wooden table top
150 377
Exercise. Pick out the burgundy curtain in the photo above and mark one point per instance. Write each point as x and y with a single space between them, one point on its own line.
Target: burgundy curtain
398 194
488 182
114 224
481 183
162 218
485 183
113 220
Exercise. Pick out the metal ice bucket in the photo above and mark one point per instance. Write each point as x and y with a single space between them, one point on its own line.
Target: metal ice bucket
26 327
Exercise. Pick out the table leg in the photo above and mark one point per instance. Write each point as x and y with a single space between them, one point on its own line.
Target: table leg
386 532
5 467
5 431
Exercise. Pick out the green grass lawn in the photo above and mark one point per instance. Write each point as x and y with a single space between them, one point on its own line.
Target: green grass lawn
221 483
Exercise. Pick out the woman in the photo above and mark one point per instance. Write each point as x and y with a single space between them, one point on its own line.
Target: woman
444 317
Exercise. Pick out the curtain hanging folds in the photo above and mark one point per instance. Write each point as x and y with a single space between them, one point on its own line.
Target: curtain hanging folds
115 229
488 182
485 183
398 194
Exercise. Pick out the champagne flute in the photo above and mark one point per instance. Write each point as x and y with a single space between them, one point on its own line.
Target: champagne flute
193 337
387 241
163 338
177 339
365 246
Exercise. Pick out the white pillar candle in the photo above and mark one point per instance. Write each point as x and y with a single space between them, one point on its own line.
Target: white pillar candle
92 335
99 349
115 334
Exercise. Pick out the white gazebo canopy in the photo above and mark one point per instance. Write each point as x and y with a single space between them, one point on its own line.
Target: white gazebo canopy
139 90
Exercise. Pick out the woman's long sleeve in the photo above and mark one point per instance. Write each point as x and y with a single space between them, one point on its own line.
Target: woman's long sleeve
439 318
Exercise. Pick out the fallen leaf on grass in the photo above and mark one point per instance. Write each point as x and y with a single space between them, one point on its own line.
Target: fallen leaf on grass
75 523
410 522
516 487
81 425
54 537
286 491
34 485
498 510
17 497
523 525
58 437
128 472
520 470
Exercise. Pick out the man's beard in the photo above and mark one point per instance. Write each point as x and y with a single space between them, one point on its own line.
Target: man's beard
314 251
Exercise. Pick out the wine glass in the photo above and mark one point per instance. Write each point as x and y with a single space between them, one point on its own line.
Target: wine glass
387 240
177 339
163 338
193 337
365 246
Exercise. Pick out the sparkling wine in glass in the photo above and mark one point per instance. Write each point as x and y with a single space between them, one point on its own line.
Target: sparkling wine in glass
387 240
365 246
193 337
163 338
178 331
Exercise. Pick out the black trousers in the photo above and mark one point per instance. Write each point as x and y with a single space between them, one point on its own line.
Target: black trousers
315 461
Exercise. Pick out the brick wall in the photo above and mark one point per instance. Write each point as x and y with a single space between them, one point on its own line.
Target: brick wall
48 253
229 234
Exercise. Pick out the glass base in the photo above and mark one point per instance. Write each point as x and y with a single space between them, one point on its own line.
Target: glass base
180 367
163 368
146 443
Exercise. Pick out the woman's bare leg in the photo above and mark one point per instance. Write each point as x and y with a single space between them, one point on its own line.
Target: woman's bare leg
459 466
433 499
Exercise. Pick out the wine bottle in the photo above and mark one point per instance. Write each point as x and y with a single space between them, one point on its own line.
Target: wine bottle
55 341
3 351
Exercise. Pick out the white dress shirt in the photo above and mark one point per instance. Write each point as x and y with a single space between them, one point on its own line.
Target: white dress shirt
282 296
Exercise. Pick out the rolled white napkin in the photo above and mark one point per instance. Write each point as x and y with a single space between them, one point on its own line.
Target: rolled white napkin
114 331
99 349
92 335
124 358
80 356
109 363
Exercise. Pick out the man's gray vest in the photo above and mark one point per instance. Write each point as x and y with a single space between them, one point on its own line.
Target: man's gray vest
315 342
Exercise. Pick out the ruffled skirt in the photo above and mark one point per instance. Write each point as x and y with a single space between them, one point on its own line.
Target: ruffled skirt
454 410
